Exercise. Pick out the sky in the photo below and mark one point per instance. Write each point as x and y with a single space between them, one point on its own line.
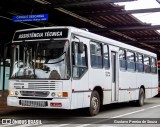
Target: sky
153 18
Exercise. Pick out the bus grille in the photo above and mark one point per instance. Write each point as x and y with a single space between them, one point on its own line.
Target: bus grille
35 93
33 103
38 85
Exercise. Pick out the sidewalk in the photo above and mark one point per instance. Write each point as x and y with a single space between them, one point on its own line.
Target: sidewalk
4 109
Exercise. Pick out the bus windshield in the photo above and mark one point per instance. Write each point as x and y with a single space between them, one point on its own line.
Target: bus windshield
41 60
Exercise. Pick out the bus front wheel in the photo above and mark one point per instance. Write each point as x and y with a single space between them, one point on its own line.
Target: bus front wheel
94 103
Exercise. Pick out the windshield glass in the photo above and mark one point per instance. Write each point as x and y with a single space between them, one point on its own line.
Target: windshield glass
41 60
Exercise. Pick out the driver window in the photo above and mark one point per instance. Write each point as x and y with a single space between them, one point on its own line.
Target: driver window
79 61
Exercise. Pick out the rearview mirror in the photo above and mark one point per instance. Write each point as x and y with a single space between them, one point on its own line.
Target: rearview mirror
80 47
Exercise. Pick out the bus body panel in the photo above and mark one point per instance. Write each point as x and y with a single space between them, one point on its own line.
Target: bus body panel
27 92
127 83
154 84
144 79
80 86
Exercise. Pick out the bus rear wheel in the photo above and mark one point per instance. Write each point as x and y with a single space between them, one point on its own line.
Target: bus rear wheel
94 104
140 101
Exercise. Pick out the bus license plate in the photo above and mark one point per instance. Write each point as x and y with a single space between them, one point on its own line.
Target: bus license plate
56 104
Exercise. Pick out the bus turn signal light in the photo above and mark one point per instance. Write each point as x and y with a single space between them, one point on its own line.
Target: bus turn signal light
65 94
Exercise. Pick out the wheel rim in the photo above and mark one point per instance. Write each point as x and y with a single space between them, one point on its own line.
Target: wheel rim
95 103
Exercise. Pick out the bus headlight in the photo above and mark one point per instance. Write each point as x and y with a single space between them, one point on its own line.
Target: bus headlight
16 93
53 94
11 92
59 94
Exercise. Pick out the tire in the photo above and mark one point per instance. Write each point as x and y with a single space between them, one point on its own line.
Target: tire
94 104
140 101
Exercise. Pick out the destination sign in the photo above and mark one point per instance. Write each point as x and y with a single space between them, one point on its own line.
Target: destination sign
30 18
40 34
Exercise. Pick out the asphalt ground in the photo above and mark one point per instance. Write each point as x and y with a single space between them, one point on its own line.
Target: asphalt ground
112 115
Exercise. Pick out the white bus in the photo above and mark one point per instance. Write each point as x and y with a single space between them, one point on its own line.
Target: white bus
70 68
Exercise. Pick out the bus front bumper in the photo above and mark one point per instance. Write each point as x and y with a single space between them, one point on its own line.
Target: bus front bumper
62 103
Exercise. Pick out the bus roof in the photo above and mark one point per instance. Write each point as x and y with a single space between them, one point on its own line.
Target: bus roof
110 41
95 37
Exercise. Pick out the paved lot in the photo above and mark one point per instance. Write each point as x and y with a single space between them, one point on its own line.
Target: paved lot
113 115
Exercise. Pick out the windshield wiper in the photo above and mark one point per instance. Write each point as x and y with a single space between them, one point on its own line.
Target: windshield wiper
56 62
59 60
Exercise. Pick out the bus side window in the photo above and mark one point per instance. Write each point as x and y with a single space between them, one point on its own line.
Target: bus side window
96 54
106 56
153 65
130 61
79 61
139 61
122 59
147 66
